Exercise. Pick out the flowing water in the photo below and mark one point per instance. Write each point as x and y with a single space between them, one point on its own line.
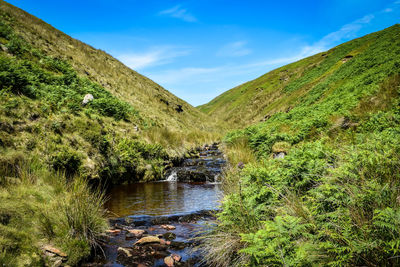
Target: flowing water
183 200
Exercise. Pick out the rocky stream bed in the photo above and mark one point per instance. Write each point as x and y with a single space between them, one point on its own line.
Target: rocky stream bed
156 224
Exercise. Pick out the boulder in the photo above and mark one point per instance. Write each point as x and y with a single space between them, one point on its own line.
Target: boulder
195 175
87 98
124 252
172 259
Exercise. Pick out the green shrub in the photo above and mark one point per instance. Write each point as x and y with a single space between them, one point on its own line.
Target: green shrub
67 161
84 219
112 108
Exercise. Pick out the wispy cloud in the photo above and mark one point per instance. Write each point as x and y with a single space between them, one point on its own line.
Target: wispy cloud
211 81
235 49
153 57
346 32
201 76
204 75
180 13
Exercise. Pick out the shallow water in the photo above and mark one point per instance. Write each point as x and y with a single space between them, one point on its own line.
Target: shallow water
162 198
184 205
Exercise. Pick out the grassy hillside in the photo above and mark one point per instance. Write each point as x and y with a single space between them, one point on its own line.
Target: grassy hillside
155 103
318 180
316 78
51 143
129 130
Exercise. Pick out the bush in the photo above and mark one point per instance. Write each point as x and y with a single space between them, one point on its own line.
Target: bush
67 161
16 77
112 108
84 219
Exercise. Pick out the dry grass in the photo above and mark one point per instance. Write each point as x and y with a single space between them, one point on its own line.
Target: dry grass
221 249
43 208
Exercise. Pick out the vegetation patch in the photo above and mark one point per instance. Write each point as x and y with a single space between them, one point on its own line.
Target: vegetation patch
332 200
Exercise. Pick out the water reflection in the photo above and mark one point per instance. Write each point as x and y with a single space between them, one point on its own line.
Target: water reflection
162 198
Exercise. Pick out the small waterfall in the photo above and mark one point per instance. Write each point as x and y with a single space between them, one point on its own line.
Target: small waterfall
173 177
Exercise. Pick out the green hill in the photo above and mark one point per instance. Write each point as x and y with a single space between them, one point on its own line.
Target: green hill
314 152
317 180
44 77
352 70
154 102
53 143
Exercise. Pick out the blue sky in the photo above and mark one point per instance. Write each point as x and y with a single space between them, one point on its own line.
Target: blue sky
198 49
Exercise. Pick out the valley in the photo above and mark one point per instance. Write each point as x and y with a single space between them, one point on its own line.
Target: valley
101 166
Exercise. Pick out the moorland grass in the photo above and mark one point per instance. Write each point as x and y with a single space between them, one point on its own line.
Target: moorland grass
39 207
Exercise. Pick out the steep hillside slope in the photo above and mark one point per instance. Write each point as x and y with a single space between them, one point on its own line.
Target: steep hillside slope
53 143
346 69
153 101
317 182
127 132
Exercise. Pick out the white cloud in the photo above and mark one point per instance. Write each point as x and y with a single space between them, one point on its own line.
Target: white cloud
346 32
235 49
154 57
388 10
179 13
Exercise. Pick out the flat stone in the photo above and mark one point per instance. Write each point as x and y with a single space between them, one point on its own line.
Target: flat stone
54 251
169 261
148 240
137 232
168 227
114 231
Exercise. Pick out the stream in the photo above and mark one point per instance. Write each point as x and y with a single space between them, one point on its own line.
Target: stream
155 224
